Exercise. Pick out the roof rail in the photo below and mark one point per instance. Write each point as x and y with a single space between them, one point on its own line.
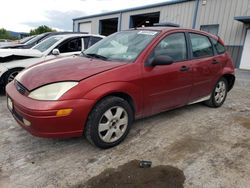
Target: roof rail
166 24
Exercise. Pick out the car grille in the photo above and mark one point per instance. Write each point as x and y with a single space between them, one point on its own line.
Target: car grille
20 88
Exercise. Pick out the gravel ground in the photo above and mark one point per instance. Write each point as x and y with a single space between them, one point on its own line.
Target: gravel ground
210 146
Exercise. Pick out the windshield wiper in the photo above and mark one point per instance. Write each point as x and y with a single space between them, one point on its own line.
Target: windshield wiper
96 56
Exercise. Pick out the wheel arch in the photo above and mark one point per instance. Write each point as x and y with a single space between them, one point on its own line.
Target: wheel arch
3 77
132 93
122 95
11 69
230 80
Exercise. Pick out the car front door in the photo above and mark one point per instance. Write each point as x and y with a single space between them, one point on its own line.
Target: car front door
68 47
206 66
167 86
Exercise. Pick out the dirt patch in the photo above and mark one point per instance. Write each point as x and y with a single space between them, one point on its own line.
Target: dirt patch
244 121
184 147
130 175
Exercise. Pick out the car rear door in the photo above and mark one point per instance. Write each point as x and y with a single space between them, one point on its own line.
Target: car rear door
206 66
167 86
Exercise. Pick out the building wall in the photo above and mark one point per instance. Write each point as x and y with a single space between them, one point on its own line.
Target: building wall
181 13
221 12
94 22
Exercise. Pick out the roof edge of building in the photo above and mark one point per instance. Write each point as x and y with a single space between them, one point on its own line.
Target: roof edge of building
132 9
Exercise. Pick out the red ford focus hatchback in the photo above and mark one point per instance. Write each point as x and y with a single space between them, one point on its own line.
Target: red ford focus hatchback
129 75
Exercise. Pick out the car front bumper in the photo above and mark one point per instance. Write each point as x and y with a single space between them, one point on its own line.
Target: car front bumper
40 119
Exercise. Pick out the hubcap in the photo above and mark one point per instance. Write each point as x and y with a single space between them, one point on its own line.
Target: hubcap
12 76
220 92
113 124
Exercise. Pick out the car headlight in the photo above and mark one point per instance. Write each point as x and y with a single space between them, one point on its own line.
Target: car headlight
52 91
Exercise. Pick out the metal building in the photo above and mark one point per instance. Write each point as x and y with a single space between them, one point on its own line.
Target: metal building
230 19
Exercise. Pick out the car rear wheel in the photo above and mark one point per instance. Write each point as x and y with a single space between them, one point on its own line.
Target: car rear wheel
109 122
219 94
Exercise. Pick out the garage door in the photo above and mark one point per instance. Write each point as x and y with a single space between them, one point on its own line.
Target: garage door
85 27
245 59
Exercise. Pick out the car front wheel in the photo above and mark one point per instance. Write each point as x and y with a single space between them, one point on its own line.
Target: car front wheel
109 122
11 74
219 94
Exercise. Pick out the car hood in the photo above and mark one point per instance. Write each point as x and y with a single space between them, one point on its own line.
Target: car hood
7 55
73 68
11 45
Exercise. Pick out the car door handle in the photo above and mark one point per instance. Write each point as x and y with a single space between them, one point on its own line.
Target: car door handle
184 68
215 62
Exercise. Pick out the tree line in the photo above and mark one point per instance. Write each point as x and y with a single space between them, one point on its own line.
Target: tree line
4 34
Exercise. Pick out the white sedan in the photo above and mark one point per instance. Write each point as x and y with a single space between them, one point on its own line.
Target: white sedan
12 61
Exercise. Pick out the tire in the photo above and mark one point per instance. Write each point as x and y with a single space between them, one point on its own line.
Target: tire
109 122
219 94
10 75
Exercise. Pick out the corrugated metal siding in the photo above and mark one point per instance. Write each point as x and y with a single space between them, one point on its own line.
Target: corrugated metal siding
222 12
94 22
126 16
181 14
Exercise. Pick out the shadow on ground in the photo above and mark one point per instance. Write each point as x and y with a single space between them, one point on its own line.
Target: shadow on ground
130 175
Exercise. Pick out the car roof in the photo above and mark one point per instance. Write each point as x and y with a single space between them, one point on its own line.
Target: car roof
167 29
76 35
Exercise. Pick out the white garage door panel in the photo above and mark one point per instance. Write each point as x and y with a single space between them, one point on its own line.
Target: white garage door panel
245 59
85 27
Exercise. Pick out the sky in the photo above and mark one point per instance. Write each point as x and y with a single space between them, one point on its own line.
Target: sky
23 15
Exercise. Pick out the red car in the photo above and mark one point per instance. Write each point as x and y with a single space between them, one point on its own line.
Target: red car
130 74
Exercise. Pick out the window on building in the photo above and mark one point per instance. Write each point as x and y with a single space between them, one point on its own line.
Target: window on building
213 29
201 46
174 46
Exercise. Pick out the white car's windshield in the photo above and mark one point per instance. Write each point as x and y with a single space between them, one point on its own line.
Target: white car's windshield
26 39
46 44
122 46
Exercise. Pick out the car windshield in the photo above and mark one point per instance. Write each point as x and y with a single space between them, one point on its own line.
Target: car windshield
121 46
35 39
46 44
26 39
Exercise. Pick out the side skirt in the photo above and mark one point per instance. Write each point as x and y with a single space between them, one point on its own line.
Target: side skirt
200 100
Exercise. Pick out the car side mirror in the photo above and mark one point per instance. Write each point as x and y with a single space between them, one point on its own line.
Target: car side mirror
162 60
55 52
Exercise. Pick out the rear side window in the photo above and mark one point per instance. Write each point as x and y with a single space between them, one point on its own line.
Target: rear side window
201 46
86 42
174 46
218 46
94 40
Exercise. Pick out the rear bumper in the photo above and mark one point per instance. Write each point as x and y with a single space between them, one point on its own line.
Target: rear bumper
42 115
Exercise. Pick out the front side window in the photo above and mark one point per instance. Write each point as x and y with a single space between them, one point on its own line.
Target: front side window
86 42
201 46
174 46
122 46
73 45
46 44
